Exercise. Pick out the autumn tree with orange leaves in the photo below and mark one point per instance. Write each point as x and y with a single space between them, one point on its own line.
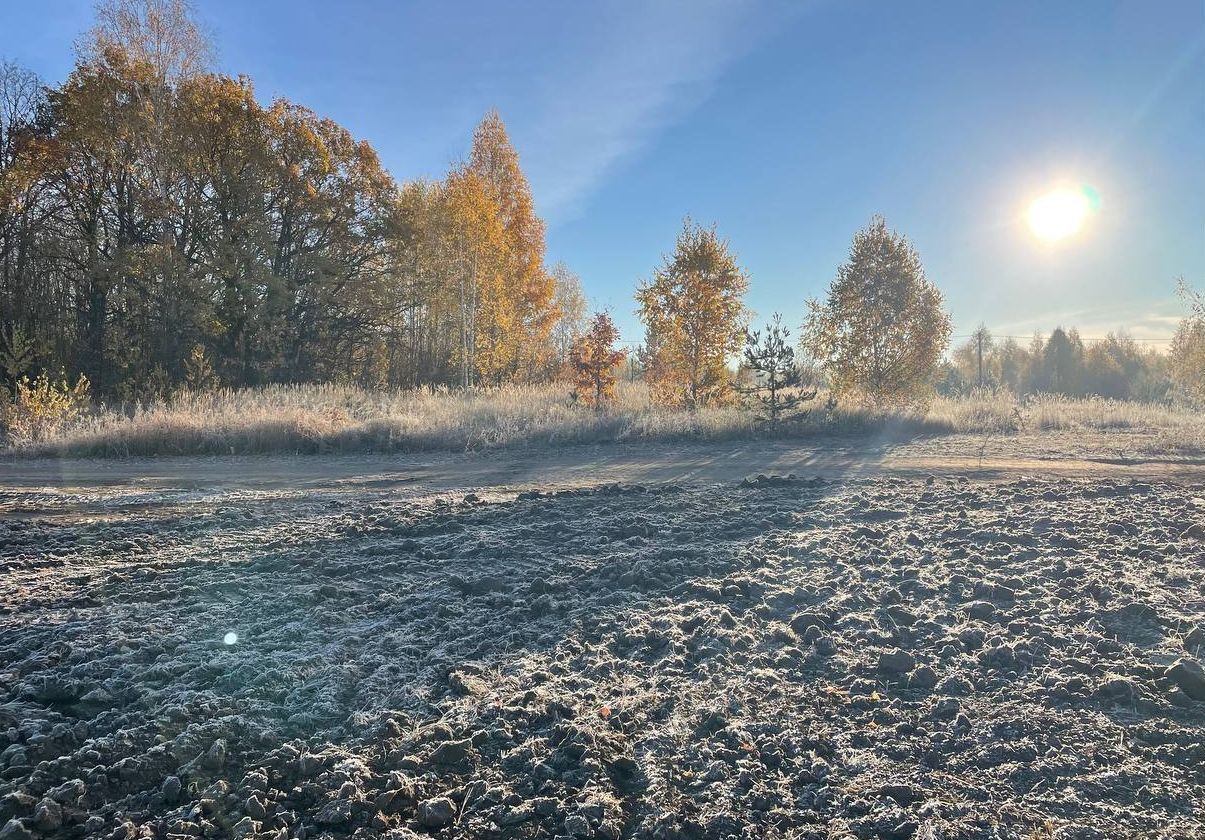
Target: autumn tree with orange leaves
594 359
694 317
150 207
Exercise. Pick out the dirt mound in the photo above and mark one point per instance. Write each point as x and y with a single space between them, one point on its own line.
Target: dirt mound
796 658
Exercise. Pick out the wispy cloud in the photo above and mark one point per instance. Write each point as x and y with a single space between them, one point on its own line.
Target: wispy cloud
1139 319
636 75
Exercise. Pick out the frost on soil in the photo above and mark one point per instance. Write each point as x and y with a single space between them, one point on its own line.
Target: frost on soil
887 658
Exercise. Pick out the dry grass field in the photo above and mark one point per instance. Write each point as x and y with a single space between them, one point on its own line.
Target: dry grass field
332 418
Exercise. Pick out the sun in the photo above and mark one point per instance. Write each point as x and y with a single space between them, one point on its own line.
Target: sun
1060 213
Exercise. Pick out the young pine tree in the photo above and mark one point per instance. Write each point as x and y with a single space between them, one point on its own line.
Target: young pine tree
776 379
594 360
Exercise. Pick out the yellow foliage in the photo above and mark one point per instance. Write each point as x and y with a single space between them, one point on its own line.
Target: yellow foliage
40 407
478 251
881 331
695 319
517 337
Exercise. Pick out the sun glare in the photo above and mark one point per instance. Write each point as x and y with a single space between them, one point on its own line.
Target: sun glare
1060 213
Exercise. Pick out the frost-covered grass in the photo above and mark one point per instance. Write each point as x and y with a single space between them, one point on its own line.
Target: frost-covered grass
1002 411
318 418
337 418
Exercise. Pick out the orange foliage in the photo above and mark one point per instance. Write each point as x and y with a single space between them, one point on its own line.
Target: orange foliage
594 359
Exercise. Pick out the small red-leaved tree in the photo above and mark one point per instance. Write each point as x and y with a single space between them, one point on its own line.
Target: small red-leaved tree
594 359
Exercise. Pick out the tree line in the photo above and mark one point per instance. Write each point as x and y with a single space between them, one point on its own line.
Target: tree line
157 221
1116 367
879 336
160 227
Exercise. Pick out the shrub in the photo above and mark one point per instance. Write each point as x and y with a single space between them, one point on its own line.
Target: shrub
199 374
1187 354
39 408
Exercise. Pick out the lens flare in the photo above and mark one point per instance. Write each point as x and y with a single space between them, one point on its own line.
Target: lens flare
230 638
1061 213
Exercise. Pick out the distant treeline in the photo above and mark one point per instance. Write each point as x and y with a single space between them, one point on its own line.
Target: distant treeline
1117 366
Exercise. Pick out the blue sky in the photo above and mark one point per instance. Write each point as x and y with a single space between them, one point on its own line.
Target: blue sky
788 124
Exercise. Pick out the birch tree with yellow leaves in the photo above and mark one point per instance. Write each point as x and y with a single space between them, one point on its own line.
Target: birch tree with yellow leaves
694 316
881 330
519 311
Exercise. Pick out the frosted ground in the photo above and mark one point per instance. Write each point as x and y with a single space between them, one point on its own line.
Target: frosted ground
636 645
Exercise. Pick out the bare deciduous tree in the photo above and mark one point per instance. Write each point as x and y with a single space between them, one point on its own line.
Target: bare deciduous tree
570 302
162 33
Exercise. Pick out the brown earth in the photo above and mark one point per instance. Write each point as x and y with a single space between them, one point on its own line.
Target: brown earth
622 641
